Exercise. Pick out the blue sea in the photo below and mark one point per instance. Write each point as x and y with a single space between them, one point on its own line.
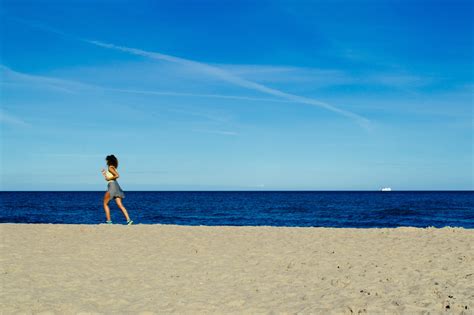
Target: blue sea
275 208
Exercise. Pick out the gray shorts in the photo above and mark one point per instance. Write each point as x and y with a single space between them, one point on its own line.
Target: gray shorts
114 190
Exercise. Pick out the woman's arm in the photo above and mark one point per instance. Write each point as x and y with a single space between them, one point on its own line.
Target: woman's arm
114 172
104 174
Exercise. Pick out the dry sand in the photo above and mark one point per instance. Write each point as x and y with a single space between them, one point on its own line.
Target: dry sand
145 269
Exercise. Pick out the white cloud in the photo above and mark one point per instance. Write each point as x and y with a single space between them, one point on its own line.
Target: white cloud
218 132
9 119
291 74
13 77
10 76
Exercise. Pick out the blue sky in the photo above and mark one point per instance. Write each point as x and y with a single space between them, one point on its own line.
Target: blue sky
244 95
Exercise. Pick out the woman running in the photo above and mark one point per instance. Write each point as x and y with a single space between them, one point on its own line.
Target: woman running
113 189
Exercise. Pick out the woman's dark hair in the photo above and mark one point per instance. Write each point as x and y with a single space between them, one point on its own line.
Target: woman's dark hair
112 160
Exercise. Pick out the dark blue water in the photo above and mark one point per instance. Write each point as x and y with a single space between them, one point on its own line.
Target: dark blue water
328 209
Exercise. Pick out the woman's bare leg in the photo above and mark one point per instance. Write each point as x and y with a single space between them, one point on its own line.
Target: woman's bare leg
120 205
106 206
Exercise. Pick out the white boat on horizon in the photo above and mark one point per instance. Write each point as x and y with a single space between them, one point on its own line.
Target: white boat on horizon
386 189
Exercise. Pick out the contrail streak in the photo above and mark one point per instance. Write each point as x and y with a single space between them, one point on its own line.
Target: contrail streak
231 78
167 93
212 70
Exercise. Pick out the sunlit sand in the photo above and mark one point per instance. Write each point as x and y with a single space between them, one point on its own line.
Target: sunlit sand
146 269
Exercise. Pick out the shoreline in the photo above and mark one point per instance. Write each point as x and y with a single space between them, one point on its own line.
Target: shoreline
241 226
164 268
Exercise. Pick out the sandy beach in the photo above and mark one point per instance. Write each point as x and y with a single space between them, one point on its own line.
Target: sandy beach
148 269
